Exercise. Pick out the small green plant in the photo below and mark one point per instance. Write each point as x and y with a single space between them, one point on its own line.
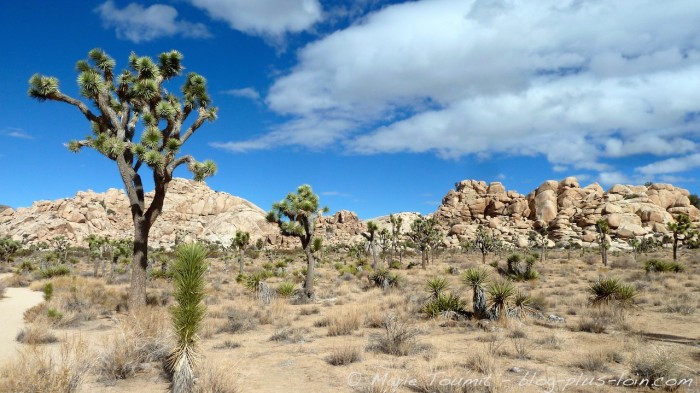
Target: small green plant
285 289
612 291
54 313
656 265
48 291
447 305
436 286
383 278
500 294
254 281
53 271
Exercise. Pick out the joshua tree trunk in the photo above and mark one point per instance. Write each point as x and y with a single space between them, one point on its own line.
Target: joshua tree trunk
479 303
604 254
240 262
137 291
675 248
309 280
423 257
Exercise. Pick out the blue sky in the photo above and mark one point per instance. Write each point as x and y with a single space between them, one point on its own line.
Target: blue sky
380 105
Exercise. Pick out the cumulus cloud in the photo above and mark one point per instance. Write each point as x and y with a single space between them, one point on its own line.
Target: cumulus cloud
581 83
671 165
137 23
264 17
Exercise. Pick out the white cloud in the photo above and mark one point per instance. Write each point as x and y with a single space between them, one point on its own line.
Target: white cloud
671 165
246 92
16 133
137 23
577 82
610 178
335 194
271 18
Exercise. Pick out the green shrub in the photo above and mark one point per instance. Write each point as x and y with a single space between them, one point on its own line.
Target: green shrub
656 265
436 286
160 274
53 271
445 304
384 278
285 289
48 291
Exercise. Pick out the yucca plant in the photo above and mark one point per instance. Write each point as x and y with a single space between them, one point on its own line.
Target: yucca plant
436 286
383 278
656 265
187 314
522 305
285 289
611 291
446 304
500 294
476 279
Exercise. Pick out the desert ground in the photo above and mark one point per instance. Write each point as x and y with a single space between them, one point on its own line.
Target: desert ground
356 336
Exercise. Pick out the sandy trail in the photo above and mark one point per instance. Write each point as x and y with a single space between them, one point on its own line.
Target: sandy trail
12 308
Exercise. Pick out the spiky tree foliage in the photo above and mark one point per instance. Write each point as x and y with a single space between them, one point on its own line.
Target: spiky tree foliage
371 236
187 314
384 239
8 247
636 246
612 291
60 246
681 229
136 122
396 228
425 233
539 239
96 244
522 305
435 286
500 293
121 248
603 229
239 243
485 242
476 279
296 216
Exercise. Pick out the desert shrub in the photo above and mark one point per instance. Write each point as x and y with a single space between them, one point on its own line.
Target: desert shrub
48 291
394 265
659 364
238 321
36 370
399 339
2 289
657 265
157 274
447 305
598 320
344 355
344 323
53 271
25 266
612 291
215 378
290 335
36 333
595 361
285 289
383 278
139 339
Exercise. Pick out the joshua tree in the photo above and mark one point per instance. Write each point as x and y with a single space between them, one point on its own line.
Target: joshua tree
540 238
384 238
96 245
681 230
121 248
636 246
424 234
370 235
396 224
8 247
117 104
187 315
476 279
296 215
60 245
485 242
603 229
240 243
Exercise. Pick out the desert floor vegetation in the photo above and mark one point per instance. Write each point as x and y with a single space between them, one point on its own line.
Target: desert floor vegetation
577 326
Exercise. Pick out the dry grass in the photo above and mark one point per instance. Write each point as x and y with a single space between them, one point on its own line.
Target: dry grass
139 339
216 378
341 356
36 333
37 370
398 338
344 322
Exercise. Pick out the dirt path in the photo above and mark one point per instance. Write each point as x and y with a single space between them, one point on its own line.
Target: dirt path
12 308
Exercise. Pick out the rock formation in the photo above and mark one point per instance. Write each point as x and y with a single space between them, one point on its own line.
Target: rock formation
568 211
192 211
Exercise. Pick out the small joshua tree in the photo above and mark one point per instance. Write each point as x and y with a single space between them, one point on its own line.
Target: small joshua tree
603 230
187 315
396 224
384 238
476 279
240 243
8 247
296 216
425 234
370 235
485 242
681 229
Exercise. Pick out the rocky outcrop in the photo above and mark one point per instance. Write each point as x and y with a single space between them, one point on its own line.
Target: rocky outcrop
192 211
568 211
343 227
3 208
